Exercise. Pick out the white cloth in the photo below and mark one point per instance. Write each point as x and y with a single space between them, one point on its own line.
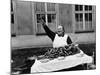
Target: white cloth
60 41
56 64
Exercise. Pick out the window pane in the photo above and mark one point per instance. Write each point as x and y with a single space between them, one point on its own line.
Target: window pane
39 16
11 6
12 18
81 7
79 26
39 6
78 7
51 18
90 7
86 17
42 7
39 26
79 17
88 21
88 25
86 7
90 16
50 6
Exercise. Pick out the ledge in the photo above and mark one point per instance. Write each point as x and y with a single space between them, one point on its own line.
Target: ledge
85 31
41 34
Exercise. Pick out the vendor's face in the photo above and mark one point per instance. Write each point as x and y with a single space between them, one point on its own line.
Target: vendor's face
60 31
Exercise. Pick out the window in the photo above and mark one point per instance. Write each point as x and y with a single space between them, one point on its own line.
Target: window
12 18
83 18
79 17
11 6
51 18
51 7
13 33
48 13
87 8
88 17
40 7
12 13
39 16
78 8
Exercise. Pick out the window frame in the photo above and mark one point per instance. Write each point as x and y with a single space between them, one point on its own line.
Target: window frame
46 17
14 24
83 13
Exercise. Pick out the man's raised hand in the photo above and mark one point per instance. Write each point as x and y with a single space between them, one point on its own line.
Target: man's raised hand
41 21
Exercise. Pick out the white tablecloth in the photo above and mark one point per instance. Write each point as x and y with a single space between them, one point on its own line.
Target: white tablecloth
54 65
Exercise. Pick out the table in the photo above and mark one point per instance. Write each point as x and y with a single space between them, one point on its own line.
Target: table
56 64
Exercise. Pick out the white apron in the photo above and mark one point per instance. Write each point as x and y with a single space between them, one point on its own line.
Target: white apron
60 41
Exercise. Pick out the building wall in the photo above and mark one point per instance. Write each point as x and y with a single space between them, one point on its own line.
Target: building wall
24 18
27 41
26 27
65 17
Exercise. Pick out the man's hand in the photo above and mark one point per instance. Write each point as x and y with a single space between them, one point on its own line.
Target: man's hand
41 21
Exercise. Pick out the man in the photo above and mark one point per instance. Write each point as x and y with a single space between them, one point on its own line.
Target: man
59 39
62 43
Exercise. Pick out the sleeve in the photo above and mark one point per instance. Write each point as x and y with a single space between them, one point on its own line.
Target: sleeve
69 41
50 33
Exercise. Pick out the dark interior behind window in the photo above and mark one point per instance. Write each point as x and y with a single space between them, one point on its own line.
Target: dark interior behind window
78 7
12 18
40 16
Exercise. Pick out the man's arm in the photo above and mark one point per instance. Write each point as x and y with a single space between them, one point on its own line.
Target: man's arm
50 33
